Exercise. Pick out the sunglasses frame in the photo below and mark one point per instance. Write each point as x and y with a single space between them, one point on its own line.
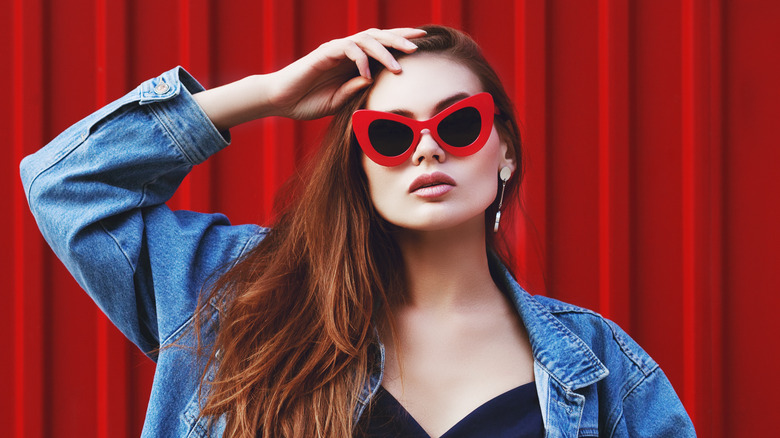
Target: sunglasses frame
482 102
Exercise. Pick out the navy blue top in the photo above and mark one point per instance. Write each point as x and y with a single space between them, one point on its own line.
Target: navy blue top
514 414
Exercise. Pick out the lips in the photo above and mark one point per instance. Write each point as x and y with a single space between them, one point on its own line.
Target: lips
431 180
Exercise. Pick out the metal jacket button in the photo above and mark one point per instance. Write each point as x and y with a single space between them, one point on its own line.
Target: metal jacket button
161 88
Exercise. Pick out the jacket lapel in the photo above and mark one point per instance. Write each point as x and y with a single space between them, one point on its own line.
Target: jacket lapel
563 363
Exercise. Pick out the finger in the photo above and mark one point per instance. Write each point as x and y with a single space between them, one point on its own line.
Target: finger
377 50
349 88
376 44
359 57
397 38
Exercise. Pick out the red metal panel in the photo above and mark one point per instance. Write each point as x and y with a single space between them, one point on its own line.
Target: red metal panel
531 82
651 189
752 211
195 55
657 173
711 400
16 203
613 157
85 361
101 332
573 155
28 366
689 172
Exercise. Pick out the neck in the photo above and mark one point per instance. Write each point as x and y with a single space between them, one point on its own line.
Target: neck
447 269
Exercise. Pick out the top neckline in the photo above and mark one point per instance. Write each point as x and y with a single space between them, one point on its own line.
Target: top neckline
495 417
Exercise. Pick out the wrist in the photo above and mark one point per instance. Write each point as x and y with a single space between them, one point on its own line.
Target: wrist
237 102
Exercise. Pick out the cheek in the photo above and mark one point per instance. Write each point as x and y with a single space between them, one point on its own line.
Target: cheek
490 158
485 183
487 163
371 173
379 179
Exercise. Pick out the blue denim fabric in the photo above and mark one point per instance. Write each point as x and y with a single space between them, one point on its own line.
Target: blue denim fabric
98 192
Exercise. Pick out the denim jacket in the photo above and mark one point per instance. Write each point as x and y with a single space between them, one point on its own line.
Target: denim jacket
98 192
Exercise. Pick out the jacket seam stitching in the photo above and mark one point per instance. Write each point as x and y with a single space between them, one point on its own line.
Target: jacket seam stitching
164 121
558 310
618 338
628 353
563 330
82 135
118 245
249 244
55 160
189 320
628 394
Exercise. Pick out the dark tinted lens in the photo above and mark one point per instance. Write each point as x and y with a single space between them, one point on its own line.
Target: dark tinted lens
390 138
460 128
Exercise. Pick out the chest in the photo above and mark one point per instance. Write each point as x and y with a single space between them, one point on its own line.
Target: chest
441 370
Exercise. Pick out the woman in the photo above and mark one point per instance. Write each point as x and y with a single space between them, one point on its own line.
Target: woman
377 303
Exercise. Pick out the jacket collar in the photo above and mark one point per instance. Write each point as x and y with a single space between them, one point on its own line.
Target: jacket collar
555 348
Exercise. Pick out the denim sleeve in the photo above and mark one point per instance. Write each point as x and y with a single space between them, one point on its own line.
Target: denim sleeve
652 409
98 193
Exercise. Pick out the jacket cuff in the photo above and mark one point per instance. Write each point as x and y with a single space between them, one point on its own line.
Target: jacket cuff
170 94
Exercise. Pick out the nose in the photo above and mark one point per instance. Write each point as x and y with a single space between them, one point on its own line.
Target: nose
427 149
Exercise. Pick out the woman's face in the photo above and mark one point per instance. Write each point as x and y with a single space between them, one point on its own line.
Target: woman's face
462 187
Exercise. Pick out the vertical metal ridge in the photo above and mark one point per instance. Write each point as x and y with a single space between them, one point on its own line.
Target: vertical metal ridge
185 48
717 424
101 332
521 104
532 88
119 374
19 244
352 16
285 52
519 58
613 161
196 53
437 15
101 378
688 182
604 152
530 84
450 13
270 136
184 192
28 340
101 55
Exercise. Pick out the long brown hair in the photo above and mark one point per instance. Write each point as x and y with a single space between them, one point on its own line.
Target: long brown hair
298 311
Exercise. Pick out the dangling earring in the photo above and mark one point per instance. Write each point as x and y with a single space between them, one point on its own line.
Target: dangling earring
505 173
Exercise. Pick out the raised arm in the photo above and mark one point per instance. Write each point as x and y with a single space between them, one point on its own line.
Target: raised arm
98 190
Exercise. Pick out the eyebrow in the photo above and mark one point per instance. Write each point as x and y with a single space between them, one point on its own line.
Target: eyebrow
437 109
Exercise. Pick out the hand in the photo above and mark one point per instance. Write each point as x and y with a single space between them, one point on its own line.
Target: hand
320 82
311 87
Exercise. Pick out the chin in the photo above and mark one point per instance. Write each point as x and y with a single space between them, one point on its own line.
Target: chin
439 222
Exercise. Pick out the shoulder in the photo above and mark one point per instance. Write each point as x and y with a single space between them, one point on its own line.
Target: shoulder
608 341
635 398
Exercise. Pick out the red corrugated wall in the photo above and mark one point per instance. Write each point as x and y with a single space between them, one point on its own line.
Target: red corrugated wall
651 184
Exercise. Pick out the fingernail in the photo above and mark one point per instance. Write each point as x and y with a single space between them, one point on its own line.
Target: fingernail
410 44
395 65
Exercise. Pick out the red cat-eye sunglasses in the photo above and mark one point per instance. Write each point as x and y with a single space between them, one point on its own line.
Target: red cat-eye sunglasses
461 129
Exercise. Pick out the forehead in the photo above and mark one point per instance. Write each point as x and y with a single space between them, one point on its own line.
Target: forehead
426 80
